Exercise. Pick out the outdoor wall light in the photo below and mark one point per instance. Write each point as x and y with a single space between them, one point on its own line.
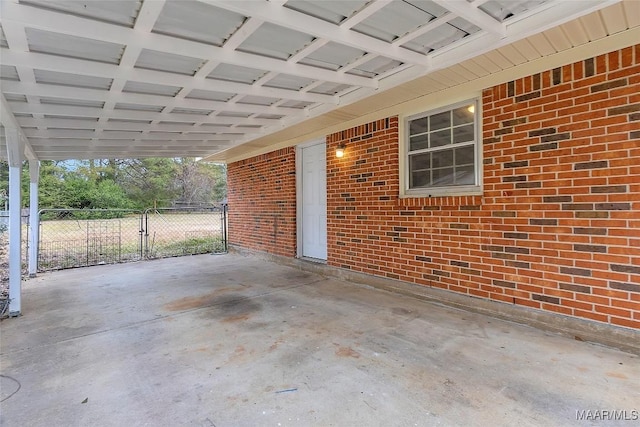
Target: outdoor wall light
340 150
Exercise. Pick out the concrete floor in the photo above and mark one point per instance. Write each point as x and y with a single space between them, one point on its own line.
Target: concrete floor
230 340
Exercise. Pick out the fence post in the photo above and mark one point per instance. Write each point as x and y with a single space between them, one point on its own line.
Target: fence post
141 233
146 233
224 226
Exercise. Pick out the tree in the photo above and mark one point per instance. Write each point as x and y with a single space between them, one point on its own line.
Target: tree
200 182
148 182
123 184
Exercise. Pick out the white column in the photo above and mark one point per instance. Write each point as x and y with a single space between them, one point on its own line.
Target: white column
34 218
15 149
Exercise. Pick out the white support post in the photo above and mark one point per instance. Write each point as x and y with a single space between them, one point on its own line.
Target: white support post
15 149
34 218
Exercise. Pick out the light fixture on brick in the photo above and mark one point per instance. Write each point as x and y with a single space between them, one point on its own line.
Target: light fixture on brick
340 150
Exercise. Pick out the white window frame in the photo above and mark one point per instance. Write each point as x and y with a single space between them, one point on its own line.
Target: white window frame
452 190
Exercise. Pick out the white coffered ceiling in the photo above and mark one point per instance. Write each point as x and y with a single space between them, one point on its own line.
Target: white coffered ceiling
185 78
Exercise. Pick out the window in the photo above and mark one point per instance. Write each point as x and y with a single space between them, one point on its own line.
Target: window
442 151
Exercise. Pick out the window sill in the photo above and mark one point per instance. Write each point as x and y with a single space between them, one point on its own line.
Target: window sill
442 192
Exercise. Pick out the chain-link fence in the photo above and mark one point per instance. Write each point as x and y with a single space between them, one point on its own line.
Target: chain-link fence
24 232
84 237
184 231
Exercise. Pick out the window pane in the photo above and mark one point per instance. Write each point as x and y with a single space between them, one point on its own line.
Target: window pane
441 177
418 126
420 162
465 176
463 134
465 155
440 138
440 121
442 159
418 142
432 161
463 115
419 179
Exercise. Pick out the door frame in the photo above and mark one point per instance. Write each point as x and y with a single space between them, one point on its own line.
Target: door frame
299 199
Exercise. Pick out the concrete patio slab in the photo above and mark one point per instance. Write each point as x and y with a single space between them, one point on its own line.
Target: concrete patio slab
231 340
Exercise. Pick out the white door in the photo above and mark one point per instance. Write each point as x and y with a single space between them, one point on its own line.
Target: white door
314 201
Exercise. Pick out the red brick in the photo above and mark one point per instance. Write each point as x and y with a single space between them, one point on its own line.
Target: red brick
450 230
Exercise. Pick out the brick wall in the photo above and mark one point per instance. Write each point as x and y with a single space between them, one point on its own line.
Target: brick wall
558 225
262 203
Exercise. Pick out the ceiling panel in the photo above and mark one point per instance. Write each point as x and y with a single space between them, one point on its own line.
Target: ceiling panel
376 66
3 38
398 19
329 88
150 88
122 12
332 56
171 63
15 97
71 102
194 20
296 104
236 73
442 36
71 80
9 72
195 111
257 100
73 47
287 81
137 107
333 11
502 10
275 41
210 95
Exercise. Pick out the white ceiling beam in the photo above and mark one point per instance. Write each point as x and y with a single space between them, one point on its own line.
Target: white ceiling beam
124 135
72 123
245 30
307 50
74 154
242 33
148 15
146 19
368 10
55 148
237 38
471 13
79 27
95 69
14 144
34 89
298 21
429 26
9 121
88 144
365 58
17 41
79 112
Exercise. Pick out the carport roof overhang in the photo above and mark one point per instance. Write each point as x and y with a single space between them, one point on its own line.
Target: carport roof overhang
228 79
